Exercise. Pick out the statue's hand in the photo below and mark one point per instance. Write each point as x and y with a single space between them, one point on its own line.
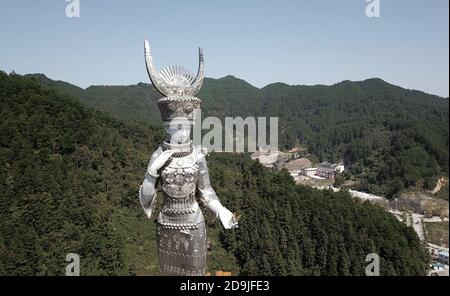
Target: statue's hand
158 162
227 218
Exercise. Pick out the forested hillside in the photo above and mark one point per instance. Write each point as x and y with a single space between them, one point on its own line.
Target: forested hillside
68 181
68 184
289 229
390 138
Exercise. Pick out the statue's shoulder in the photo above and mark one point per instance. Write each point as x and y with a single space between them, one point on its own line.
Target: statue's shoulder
158 151
200 152
198 149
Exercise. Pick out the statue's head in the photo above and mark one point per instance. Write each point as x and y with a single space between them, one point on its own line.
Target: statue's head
178 130
178 87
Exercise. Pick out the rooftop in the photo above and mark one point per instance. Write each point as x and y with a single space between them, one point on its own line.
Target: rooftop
443 253
325 164
437 264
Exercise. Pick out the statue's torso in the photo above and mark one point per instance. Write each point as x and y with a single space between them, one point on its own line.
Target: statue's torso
179 183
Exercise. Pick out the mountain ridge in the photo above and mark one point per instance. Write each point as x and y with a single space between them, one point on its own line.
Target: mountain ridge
360 121
43 78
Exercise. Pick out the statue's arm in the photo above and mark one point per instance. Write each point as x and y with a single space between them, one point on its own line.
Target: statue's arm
147 191
208 197
205 192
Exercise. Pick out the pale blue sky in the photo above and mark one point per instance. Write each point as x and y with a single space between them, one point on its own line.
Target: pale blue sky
296 42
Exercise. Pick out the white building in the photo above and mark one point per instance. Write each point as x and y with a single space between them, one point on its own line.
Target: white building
310 172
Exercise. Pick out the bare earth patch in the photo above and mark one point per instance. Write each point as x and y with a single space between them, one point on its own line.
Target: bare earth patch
437 232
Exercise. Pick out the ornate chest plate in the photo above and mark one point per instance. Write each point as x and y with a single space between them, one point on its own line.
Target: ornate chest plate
179 177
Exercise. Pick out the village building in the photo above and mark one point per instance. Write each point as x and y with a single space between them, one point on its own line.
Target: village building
296 166
309 172
329 171
437 266
443 257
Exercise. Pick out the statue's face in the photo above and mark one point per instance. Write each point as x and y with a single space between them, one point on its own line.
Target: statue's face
178 131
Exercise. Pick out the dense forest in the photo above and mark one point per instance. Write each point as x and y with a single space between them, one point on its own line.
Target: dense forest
297 230
391 139
69 177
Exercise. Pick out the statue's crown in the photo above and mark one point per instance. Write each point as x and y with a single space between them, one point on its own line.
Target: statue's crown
178 86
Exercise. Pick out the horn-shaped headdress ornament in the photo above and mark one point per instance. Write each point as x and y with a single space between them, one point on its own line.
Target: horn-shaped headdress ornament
177 85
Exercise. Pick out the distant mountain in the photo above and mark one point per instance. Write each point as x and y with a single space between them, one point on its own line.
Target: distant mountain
132 102
390 138
69 178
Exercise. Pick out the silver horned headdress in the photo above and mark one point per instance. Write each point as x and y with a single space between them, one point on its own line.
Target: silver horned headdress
177 85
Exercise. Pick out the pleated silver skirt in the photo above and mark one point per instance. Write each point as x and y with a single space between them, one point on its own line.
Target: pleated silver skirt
182 252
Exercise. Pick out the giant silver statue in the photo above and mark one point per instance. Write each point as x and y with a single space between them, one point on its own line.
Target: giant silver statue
181 169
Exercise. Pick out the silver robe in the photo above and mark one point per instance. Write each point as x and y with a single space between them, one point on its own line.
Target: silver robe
181 231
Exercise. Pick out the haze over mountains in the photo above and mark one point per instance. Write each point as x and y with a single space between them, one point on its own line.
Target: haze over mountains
391 139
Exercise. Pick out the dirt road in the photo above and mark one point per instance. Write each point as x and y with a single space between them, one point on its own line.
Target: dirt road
417 224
